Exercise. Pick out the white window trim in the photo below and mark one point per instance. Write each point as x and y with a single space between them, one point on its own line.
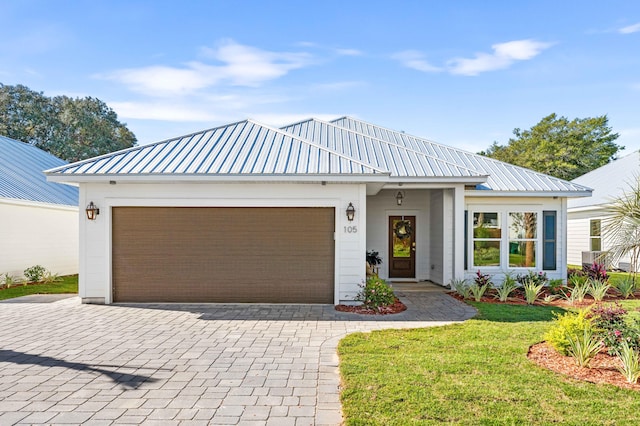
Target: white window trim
503 214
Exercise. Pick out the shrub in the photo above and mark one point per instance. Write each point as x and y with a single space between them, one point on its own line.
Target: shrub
50 278
598 289
461 287
584 347
611 324
568 324
630 363
556 286
480 284
532 276
626 287
508 285
532 291
596 271
7 280
577 290
376 293
35 273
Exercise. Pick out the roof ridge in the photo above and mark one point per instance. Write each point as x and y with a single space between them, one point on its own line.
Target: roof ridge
469 152
398 146
321 147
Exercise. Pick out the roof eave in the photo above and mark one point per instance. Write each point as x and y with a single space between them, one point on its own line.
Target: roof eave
493 193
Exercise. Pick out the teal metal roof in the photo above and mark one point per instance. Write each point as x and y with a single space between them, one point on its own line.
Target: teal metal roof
22 177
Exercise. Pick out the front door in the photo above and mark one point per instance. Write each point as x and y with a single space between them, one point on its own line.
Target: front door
402 247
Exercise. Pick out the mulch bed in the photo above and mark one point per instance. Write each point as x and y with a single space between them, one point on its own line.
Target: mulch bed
517 298
397 307
604 367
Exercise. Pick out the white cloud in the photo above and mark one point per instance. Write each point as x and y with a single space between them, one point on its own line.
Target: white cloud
238 65
504 54
416 60
630 29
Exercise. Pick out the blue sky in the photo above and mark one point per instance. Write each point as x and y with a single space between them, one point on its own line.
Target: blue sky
463 73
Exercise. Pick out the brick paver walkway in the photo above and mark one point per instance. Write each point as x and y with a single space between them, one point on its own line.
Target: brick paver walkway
68 363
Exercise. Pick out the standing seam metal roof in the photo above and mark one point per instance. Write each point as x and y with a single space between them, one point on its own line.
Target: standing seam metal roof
501 176
242 148
21 175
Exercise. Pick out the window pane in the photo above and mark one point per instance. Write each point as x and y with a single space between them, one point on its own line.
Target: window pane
486 225
522 225
486 253
596 244
522 254
594 228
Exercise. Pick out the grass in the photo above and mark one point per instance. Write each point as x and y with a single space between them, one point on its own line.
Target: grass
69 284
471 373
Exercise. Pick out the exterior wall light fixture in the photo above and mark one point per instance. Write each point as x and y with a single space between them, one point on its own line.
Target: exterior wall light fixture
351 212
92 211
399 197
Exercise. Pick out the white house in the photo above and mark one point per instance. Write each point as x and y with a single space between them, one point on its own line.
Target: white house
250 213
586 216
38 219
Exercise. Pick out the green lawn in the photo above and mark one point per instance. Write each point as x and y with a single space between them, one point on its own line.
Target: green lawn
471 373
69 284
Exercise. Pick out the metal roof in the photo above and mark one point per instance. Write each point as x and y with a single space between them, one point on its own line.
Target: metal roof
245 148
345 149
502 176
609 181
21 175
400 161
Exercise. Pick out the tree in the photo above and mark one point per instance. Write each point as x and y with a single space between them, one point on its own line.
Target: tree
559 147
72 129
622 228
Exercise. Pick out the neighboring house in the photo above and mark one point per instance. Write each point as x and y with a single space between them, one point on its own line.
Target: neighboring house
250 213
38 219
586 216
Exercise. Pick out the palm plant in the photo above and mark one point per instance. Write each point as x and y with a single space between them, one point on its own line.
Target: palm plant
622 228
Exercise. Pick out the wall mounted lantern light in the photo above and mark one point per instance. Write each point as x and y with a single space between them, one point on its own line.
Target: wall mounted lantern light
92 211
399 197
351 212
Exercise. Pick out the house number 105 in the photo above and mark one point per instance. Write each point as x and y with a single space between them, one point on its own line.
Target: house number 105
351 229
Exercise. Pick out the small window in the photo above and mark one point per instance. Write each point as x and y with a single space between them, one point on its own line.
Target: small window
523 229
595 236
487 233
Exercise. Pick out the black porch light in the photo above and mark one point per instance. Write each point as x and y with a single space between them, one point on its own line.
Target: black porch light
351 212
92 211
399 198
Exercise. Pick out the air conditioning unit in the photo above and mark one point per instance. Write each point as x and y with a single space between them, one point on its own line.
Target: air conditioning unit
589 257
624 266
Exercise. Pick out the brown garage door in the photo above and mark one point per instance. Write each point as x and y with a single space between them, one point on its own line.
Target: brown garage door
267 255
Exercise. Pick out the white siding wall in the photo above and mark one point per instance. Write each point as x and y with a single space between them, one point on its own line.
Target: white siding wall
416 203
521 204
37 234
577 236
436 240
578 231
95 241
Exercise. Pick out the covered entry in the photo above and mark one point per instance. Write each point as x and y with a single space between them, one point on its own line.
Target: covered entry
226 254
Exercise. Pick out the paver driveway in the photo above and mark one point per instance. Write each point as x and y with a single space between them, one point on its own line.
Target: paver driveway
65 362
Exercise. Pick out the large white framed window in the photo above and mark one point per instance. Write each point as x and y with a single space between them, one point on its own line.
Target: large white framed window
511 238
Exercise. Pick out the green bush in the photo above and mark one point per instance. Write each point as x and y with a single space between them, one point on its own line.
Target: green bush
376 293
35 273
569 324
